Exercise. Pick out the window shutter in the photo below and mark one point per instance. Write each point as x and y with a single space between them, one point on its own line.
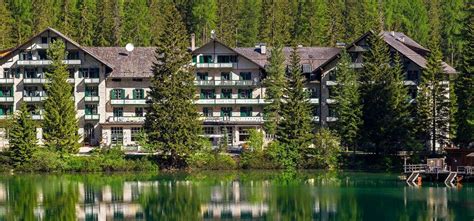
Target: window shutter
112 94
134 94
122 95
201 59
12 91
1 111
194 59
142 93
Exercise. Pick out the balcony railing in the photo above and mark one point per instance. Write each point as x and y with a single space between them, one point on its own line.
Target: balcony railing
314 100
131 119
35 80
214 65
226 83
255 119
37 117
91 117
128 101
231 101
331 119
7 99
2 117
6 80
91 98
45 62
34 99
91 80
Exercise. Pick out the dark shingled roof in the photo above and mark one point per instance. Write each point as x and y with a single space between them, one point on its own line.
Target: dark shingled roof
135 64
314 56
402 44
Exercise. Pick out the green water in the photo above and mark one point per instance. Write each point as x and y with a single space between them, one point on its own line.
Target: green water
256 195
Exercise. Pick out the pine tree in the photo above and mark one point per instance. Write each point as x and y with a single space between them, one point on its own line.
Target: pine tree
156 19
434 7
204 19
172 122
103 24
87 19
248 24
136 23
60 126
302 25
336 26
226 24
385 107
44 15
6 26
21 12
451 17
22 136
69 18
349 109
295 128
319 23
275 83
465 83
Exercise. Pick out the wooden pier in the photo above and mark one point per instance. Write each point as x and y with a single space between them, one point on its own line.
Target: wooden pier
437 170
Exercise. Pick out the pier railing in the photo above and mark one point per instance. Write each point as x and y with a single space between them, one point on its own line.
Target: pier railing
415 168
468 170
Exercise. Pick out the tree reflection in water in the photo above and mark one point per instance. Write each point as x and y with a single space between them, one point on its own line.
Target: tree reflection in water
252 195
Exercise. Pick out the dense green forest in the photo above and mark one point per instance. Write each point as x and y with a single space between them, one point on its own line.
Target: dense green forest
237 22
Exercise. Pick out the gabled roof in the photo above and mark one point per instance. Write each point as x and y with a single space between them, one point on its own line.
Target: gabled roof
213 41
403 44
62 36
135 64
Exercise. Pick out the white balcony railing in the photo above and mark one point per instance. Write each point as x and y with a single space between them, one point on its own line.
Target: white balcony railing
37 117
314 100
6 99
34 99
233 119
231 101
91 80
131 119
91 98
35 80
91 117
214 65
330 101
226 83
45 62
331 119
6 80
128 101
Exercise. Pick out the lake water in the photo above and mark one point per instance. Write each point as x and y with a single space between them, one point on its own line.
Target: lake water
255 195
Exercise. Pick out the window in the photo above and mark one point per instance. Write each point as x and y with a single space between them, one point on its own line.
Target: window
330 92
205 59
332 74
225 76
245 111
32 91
245 93
226 93
33 109
135 133
42 54
116 79
44 40
208 130
7 73
243 133
73 55
6 110
118 111
412 91
117 94
6 91
26 55
226 59
245 76
137 79
412 76
138 93
117 135
53 39
89 73
208 94
313 92
139 112
332 111
89 133
316 110
207 111
226 111
91 109
92 91
202 76
32 73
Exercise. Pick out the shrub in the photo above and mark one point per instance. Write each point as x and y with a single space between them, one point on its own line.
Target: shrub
325 152
258 160
255 140
211 161
43 160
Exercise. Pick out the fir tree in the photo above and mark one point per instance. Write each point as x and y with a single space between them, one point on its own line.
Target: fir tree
349 109
451 26
172 122
6 26
302 25
227 21
136 23
319 23
248 24
60 126
275 83
336 26
21 12
69 18
295 128
86 22
22 136
156 19
465 83
204 19
44 14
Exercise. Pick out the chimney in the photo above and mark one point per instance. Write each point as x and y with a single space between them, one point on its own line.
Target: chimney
340 45
392 33
263 48
193 42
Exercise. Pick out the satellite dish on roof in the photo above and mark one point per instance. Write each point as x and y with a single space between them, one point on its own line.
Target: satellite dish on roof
129 47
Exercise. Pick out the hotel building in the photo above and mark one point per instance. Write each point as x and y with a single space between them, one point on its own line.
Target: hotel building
111 84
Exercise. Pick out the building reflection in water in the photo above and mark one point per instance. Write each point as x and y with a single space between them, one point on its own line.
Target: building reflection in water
232 199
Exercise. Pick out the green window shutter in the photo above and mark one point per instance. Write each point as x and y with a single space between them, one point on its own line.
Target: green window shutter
201 59
239 92
1 92
88 111
12 91
1 111
122 95
113 94
134 94
194 58
201 95
142 93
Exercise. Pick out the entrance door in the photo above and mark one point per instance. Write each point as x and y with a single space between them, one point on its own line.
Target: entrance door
89 134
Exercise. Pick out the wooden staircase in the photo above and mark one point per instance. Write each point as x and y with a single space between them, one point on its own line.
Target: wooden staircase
413 176
451 177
